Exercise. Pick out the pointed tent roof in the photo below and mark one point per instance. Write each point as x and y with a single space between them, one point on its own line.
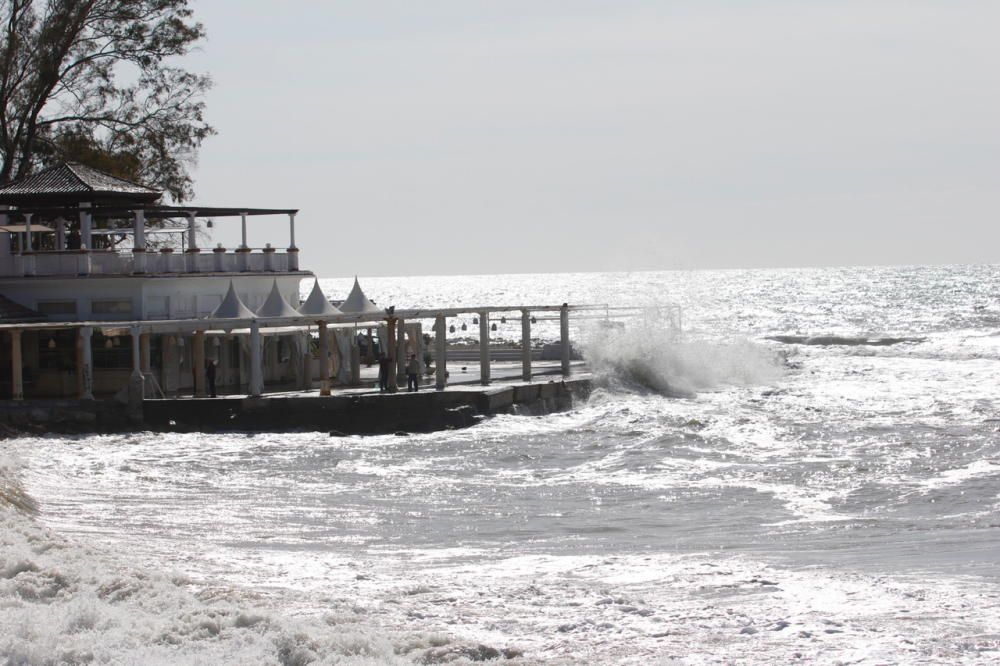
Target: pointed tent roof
358 303
317 303
74 182
276 305
232 307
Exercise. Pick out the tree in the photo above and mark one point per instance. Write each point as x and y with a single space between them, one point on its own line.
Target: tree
62 63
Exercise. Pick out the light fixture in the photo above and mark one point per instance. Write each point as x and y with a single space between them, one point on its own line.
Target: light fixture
108 344
493 326
503 320
451 329
464 327
52 343
475 320
534 321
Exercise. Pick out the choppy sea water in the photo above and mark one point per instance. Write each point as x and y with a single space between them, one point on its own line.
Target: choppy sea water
748 494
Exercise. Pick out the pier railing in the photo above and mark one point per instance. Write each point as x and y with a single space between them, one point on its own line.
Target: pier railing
129 262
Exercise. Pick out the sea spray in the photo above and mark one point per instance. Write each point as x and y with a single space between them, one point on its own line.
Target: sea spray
646 357
12 492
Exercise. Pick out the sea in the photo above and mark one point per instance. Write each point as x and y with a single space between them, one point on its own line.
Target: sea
809 473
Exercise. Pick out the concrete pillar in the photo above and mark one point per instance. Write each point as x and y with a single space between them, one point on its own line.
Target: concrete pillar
192 234
256 360
291 231
27 233
85 364
86 224
305 361
136 388
171 366
525 345
60 234
324 359
391 350
401 358
440 352
198 363
16 365
355 374
139 242
564 337
484 348
243 223
145 361
225 363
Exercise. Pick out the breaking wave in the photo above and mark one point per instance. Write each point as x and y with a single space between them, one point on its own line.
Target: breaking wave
12 492
646 358
835 340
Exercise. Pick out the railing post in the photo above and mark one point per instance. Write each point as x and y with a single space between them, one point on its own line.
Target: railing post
525 346
484 348
564 338
440 352
390 350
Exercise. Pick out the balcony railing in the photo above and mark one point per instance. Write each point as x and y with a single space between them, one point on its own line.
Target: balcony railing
115 262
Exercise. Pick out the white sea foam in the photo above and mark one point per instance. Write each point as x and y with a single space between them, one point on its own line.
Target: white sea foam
644 356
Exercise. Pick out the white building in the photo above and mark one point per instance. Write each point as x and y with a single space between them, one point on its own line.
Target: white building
79 245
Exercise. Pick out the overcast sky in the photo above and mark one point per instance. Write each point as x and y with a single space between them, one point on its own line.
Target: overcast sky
488 136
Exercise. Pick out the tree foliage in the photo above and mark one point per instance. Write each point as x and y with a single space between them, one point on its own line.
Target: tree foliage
95 81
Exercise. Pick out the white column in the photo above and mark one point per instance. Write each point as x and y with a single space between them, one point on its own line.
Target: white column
484 348
27 233
136 352
139 242
192 233
440 352
564 337
85 363
86 222
243 221
60 234
324 359
291 231
525 345
16 365
139 230
256 360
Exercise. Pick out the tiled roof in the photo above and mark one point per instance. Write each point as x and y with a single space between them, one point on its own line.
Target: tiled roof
74 178
11 312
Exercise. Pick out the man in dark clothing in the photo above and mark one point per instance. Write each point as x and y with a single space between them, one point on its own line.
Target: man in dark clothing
210 376
413 373
383 373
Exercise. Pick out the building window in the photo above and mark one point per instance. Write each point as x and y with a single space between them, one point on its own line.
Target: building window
112 307
57 308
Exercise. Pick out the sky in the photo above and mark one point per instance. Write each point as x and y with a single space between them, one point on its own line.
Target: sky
488 136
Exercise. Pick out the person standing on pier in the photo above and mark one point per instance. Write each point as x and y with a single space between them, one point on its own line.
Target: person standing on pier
383 373
210 376
413 374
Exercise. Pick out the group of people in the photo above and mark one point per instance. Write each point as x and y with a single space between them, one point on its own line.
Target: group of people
412 373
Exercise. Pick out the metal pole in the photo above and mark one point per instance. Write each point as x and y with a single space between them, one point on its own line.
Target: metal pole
564 338
525 345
